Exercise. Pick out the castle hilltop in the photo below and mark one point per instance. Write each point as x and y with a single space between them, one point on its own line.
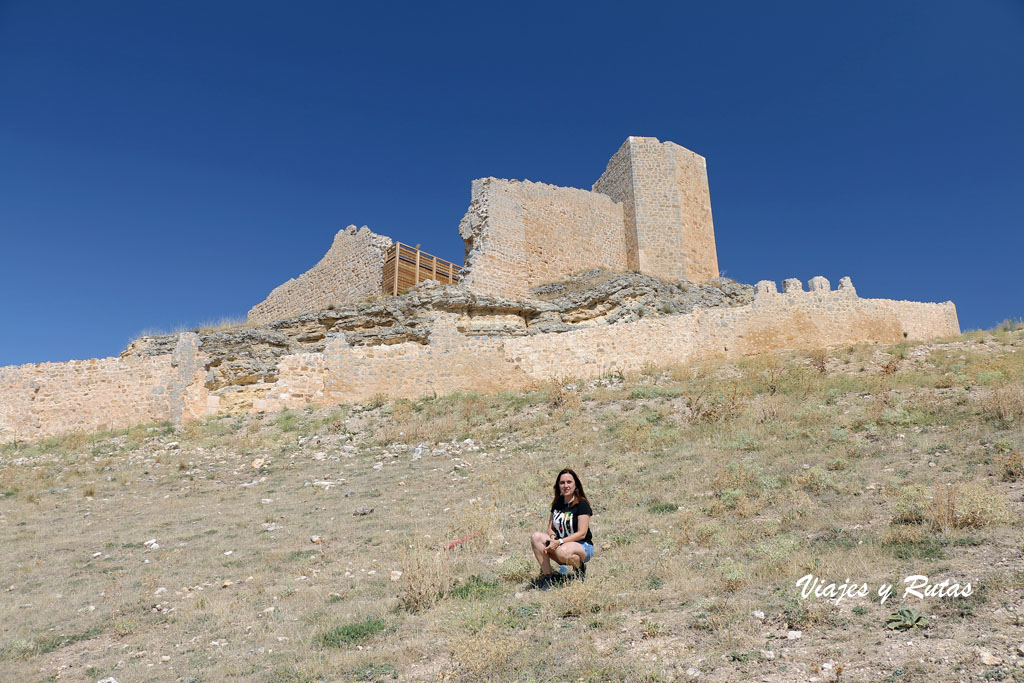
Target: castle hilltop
556 282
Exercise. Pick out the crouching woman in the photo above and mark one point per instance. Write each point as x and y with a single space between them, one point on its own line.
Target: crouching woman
568 540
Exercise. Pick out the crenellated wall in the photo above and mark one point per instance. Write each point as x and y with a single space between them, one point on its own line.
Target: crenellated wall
794 320
350 271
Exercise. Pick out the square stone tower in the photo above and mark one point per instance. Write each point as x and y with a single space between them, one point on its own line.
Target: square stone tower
667 209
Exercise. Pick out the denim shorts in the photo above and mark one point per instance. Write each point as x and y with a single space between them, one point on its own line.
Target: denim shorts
588 547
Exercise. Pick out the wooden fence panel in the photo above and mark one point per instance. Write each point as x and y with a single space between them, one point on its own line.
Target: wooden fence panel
406 267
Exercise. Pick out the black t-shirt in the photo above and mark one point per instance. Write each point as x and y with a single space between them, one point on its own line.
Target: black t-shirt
565 519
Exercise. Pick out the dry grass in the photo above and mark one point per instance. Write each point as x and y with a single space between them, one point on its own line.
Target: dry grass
967 506
1005 403
426 578
221 324
716 486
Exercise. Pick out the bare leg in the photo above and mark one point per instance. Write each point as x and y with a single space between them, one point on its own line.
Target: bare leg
572 554
537 540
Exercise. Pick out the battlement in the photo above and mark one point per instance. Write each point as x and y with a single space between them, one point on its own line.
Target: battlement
817 285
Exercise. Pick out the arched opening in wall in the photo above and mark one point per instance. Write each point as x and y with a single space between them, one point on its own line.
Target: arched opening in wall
406 267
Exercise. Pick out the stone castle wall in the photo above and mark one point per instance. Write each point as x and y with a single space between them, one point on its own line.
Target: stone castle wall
350 271
667 206
796 320
617 183
452 361
649 211
42 399
521 234
461 355
457 361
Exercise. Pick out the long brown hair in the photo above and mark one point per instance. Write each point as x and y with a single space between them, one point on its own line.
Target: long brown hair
579 495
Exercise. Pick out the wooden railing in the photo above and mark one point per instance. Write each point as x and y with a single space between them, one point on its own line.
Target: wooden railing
406 266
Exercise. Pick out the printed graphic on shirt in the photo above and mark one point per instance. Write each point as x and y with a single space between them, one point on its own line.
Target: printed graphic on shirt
563 524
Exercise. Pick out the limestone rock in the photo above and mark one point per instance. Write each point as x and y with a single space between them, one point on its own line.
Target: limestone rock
989 659
241 362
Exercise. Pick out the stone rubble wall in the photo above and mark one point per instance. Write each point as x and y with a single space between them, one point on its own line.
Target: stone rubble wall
44 399
51 398
350 271
522 234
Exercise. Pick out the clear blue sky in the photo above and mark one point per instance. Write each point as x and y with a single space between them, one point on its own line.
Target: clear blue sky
166 164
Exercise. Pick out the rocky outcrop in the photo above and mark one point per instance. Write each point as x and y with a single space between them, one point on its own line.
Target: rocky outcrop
600 296
249 355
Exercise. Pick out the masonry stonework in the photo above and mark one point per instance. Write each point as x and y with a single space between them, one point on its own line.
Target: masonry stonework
658 222
521 234
667 206
454 361
42 399
350 271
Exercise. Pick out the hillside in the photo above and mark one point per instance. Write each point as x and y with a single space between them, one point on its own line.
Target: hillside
317 544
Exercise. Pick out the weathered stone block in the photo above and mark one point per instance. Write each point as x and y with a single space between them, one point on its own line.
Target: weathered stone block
791 285
819 284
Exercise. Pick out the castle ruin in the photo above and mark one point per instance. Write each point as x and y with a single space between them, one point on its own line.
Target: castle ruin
649 212
333 335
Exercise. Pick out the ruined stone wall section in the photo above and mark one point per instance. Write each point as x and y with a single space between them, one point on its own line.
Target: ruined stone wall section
522 234
45 399
494 233
350 271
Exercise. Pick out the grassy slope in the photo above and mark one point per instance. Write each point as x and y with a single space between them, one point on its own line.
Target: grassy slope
715 487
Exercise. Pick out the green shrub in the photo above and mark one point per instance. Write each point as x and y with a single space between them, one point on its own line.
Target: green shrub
476 588
352 633
905 619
